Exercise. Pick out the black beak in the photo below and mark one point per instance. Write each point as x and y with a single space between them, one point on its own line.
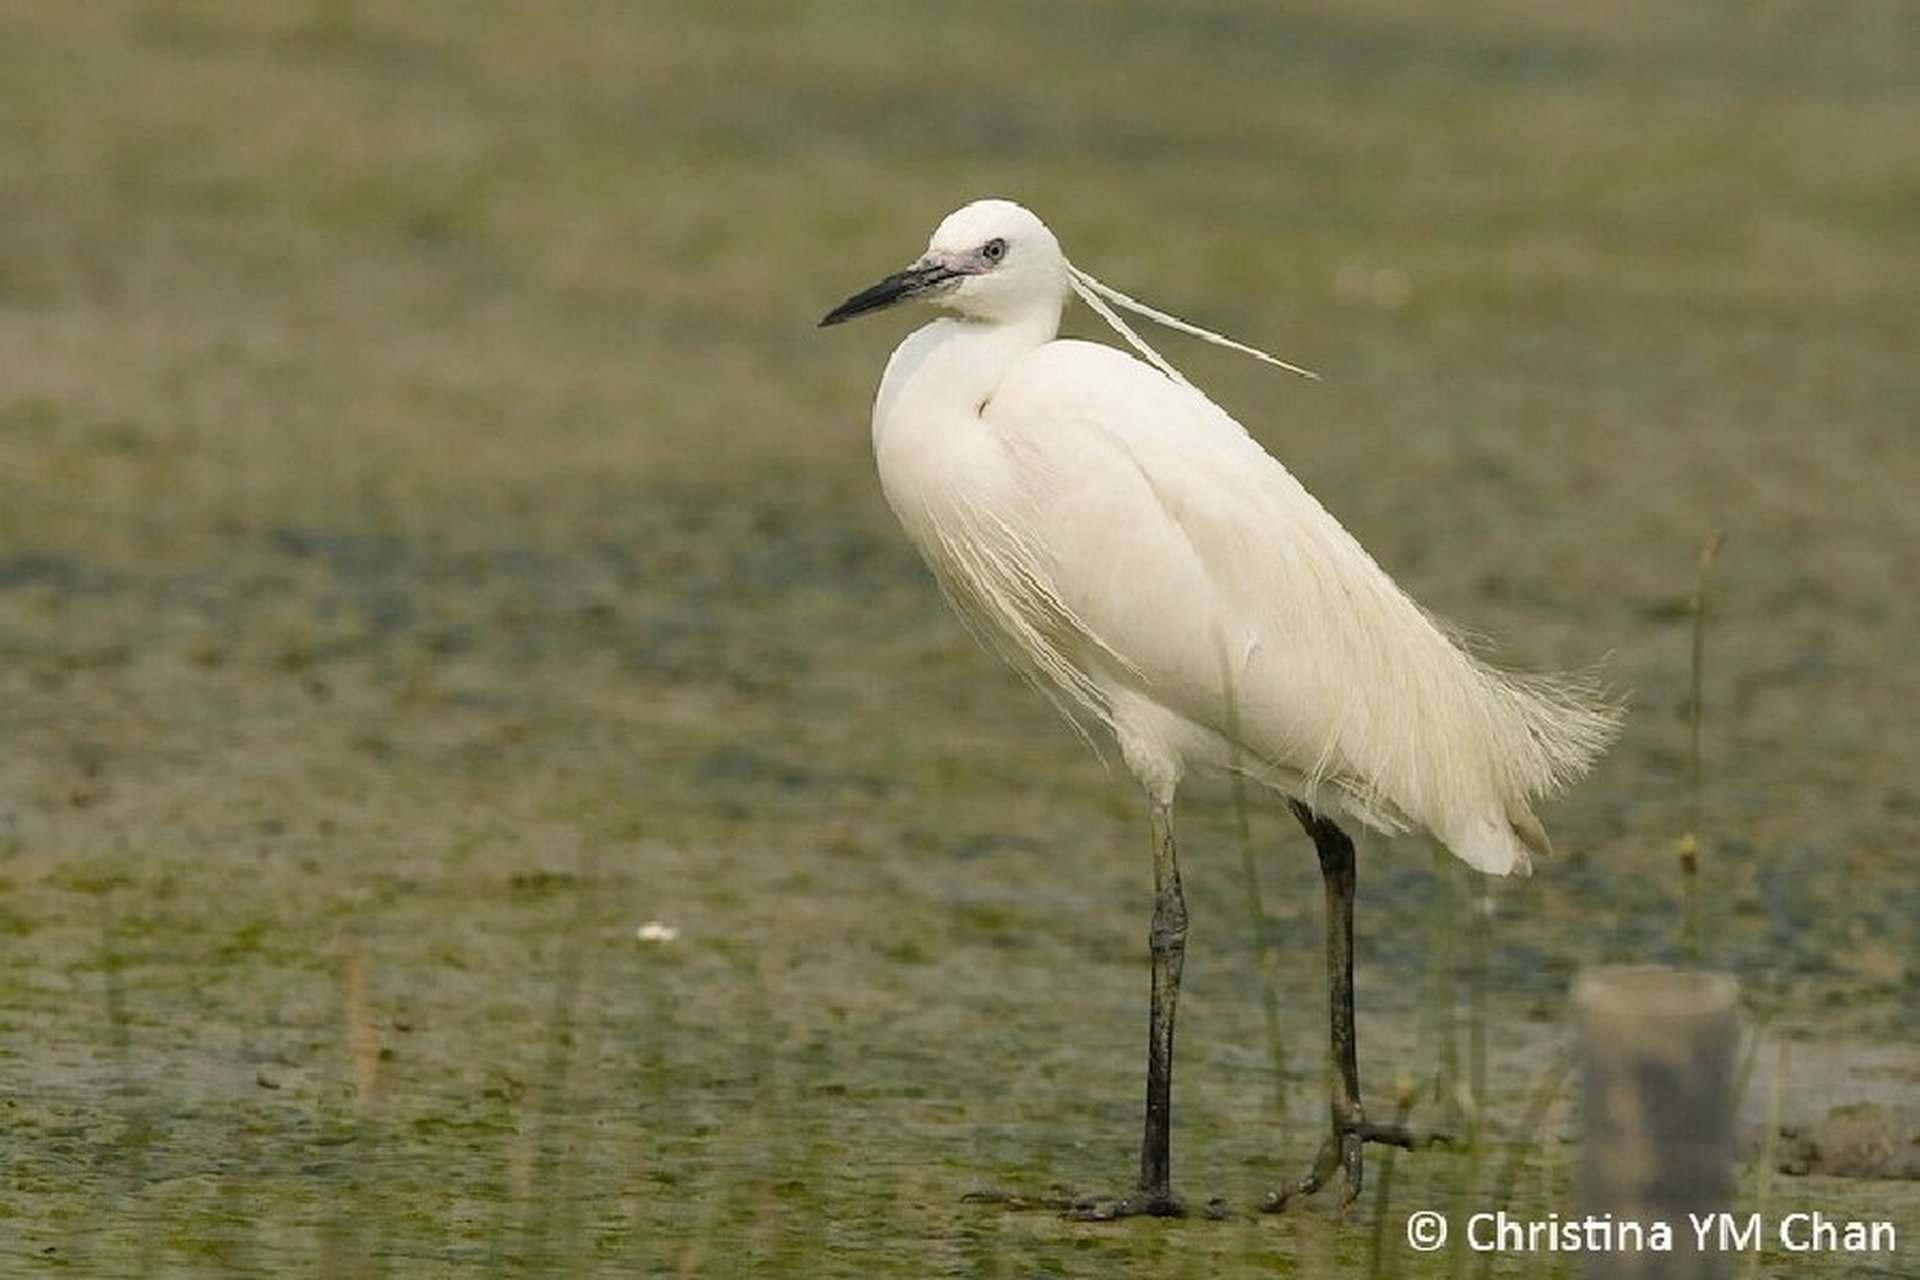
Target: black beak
914 282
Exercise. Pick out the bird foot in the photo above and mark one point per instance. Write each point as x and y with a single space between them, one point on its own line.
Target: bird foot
1088 1207
1056 1201
1140 1204
1342 1150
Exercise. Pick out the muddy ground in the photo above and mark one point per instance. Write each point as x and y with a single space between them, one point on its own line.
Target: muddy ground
435 543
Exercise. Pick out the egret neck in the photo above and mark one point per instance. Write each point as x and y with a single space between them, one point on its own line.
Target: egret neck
928 413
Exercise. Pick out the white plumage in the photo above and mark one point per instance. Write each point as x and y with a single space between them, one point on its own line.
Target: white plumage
1122 541
1136 554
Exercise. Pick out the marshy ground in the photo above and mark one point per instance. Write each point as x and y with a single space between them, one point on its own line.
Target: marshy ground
434 542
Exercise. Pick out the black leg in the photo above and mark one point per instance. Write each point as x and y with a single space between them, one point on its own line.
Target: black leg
1167 943
1350 1130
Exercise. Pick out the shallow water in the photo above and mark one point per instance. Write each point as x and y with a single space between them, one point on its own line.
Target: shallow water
434 543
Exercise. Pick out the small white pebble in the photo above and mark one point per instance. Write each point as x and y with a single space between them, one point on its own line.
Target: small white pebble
657 931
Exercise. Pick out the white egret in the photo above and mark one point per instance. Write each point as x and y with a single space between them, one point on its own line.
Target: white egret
1130 549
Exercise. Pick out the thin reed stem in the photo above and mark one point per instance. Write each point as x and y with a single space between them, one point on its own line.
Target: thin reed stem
1438 1015
1506 1180
555 1229
1378 1255
1256 904
136 1141
1763 1176
1269 953
1690 840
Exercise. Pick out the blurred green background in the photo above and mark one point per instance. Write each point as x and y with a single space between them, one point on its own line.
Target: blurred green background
435 541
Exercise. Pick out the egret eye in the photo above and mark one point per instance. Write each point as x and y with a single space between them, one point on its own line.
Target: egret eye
994 249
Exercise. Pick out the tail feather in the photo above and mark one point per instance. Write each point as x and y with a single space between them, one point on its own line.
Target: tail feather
1489 845
1531 833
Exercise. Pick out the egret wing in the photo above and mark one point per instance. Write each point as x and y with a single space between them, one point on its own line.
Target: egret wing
1239 605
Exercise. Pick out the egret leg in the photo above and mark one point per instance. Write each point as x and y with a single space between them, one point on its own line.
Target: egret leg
1167 944
1351 1130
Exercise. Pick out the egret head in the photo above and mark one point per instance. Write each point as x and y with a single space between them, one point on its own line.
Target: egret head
991 260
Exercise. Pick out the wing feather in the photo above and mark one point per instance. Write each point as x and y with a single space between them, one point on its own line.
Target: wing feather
1157 519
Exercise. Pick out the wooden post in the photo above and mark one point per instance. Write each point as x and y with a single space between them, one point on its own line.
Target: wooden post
1659 1048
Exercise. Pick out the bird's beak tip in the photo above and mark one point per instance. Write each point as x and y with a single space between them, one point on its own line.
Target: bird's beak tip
840 315
920 280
